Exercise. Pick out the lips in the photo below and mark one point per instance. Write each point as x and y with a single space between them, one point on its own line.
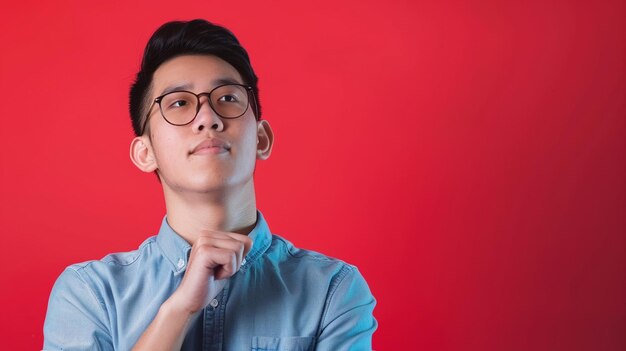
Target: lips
213 146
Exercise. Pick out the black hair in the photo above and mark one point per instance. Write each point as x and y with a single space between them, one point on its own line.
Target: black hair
180 38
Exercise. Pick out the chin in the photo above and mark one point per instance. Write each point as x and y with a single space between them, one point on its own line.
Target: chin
217 184
208 185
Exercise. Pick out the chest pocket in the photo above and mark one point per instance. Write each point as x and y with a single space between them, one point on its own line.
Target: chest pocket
285 343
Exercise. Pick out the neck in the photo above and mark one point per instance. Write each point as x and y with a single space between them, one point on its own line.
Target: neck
230 210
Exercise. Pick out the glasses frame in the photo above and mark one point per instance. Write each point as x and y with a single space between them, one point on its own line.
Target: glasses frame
158 99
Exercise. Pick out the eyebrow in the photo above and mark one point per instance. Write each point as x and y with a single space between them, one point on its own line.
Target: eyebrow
189 86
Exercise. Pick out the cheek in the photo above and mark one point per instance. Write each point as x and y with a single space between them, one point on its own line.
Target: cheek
166 148
251 139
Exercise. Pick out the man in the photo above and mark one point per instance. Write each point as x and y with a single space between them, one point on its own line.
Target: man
214 278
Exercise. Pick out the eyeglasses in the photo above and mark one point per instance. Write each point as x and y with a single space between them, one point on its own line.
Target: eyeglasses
181 107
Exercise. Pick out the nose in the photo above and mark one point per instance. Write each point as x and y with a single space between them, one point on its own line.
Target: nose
206 117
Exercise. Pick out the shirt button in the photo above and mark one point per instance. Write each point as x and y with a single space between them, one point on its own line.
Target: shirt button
214 303
180 263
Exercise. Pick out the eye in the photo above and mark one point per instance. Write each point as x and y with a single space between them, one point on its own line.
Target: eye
179 103
228 98
179 100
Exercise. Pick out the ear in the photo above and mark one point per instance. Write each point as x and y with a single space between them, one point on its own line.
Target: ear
264 140
142 155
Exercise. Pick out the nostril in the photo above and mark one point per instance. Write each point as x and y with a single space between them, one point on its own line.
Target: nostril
215 126
201 127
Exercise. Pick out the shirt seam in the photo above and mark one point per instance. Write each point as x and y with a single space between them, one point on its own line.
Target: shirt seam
340 278
139 252
288 246
92 292
115 262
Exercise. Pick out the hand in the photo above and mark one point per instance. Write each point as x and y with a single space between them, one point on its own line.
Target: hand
215 256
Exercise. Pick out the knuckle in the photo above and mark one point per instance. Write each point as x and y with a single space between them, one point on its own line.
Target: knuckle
205 251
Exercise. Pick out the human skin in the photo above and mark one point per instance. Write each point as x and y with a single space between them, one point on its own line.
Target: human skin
208 189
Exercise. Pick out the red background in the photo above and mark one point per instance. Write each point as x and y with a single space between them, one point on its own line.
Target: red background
468 157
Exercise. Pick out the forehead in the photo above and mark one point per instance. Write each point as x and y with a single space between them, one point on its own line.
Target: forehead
193 72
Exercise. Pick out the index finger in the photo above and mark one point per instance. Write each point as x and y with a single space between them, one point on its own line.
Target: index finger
244 239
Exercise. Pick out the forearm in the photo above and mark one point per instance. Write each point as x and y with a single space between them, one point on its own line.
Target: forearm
167 330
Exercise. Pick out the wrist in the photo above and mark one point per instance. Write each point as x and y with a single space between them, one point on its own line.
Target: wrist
172 309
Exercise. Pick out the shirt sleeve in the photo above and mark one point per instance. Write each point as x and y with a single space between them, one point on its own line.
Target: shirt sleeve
76 319
348 322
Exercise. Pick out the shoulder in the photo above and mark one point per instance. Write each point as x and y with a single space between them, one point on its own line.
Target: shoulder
86 283
304 256
118 259
83 300
110 267
342 288
314 265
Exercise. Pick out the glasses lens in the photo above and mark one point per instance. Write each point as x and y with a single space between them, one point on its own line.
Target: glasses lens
230 101
179 107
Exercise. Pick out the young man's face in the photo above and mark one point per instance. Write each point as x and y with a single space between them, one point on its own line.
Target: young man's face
177 152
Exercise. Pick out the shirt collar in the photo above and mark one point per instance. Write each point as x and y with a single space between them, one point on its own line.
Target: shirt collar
176 250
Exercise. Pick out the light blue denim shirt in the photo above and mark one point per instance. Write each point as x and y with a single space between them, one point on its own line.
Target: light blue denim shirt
283 298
